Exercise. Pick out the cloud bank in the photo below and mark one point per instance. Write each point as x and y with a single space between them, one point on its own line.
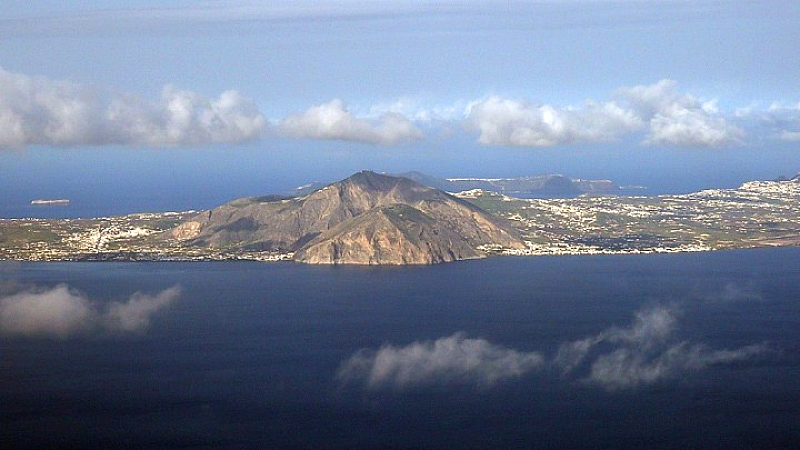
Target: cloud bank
643 353
41 111
668 117
332 121
453 359
62 312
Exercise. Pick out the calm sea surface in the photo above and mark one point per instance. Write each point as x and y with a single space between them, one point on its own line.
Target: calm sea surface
679 351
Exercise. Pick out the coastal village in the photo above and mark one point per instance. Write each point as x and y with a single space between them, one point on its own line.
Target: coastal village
757 214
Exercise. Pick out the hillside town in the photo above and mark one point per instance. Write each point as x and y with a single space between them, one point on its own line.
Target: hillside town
757 214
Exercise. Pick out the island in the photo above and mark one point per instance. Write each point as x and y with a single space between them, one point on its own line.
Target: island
50 202
377 219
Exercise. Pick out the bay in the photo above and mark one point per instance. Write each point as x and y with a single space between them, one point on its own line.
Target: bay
706 348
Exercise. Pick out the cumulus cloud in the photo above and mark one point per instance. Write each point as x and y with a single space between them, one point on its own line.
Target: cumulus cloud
59 311
783 119
669 117
38 110
62 312
332 121
692 128
516 123
644 353
680 119
453 359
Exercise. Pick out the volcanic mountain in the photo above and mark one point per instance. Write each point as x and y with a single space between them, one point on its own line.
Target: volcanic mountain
367 218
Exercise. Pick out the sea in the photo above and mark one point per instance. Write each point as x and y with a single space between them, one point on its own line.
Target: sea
694 350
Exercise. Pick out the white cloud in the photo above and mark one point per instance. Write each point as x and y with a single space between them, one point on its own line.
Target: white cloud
649 328
515 123
789 136
736 292
785 119
453 359
669 116
59 312
680 119
782 107
37 110
692 128
419 110
68 19
626 368
332 121
135 314
780 120
617 358
62 312
644 353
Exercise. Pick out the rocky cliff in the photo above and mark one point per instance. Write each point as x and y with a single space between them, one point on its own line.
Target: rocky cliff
367 218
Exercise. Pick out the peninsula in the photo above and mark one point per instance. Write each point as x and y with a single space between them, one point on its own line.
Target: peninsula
376 219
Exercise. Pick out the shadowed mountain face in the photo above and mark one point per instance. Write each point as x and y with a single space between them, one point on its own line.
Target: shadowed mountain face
367 218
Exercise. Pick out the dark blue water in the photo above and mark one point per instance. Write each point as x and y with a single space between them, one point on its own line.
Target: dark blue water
248 355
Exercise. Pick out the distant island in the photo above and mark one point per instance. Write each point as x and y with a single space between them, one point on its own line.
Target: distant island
377 219
550 185
53 202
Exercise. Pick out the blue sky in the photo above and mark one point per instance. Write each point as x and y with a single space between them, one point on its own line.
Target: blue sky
247 97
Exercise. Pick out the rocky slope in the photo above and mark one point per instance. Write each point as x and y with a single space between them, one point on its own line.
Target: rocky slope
367 218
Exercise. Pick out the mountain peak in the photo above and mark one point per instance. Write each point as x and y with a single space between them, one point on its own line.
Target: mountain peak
368 213
374 181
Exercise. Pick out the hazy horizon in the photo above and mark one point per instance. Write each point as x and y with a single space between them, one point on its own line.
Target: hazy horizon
223 99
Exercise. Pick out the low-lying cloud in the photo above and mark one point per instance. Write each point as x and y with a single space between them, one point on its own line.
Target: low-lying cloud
453 359
135 314
736 293
332 121
41 111
644 353
628 367
650 328
62 312
617 358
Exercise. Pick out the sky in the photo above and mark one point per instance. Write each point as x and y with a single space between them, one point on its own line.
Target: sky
175 105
